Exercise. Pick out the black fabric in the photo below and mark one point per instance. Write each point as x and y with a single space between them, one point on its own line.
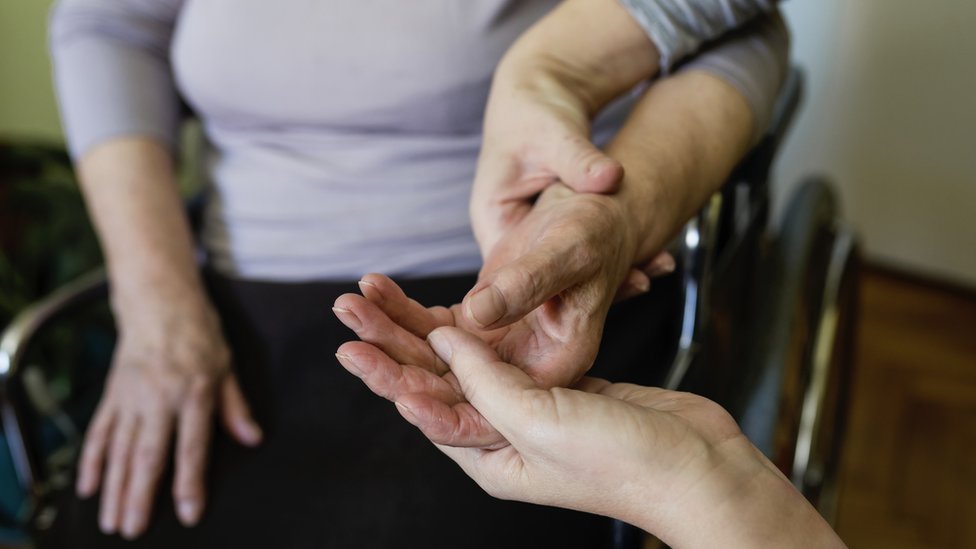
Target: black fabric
339 467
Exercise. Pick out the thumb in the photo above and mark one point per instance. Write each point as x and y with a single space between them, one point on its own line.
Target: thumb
582 166
495 388
517 288
236 414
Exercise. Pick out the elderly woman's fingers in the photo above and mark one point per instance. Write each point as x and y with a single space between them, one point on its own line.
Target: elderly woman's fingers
373 326
520 286
402 310
120 452
93 451
193 435
459 425
390 379
637 283
502 393
145 469
235 414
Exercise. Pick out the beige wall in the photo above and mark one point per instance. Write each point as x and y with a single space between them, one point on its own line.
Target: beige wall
891 116
27 106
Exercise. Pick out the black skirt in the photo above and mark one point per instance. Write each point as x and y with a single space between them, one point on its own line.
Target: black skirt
339 467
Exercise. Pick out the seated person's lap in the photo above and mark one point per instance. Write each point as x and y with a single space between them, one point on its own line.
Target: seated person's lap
341 468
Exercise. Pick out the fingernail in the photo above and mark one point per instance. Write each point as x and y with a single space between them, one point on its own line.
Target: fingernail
642 284
596 167
365 284
406 412
83 487
349 364
441 346
664 266
348 318
133 522
189 512
107 522
251 432
486 306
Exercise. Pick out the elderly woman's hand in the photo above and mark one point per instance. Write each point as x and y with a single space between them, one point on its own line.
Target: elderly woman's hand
577 240
170 374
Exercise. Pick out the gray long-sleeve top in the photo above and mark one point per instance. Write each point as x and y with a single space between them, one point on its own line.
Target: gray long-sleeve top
344 134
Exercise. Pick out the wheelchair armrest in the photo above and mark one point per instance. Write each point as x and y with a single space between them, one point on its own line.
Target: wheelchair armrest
14 342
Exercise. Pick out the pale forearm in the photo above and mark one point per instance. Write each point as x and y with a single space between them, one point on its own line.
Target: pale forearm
131 192
742 503
683 138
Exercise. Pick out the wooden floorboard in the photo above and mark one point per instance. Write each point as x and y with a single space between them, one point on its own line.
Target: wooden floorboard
908 476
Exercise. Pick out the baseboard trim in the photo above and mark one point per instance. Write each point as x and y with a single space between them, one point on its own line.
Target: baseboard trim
887 270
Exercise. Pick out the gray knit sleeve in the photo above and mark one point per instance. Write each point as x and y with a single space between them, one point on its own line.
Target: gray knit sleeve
112 70
754 60
679 28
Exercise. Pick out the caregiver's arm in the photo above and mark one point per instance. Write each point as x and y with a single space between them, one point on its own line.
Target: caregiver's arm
675 464
561 72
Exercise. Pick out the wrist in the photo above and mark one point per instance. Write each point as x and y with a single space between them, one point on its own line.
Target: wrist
739 500
543 74
599 62
152 299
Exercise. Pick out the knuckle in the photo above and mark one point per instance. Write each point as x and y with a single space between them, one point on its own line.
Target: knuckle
191 455
147 456
188 488
520 283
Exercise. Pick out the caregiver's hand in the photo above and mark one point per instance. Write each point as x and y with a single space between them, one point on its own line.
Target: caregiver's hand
573 246
666 461
544 94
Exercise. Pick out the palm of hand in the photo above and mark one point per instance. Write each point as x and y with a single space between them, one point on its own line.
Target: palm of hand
569 240
560 441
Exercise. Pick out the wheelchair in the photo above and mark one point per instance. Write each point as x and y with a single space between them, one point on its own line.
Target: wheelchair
765 322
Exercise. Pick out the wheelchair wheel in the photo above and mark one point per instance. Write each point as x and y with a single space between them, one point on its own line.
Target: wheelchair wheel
806 339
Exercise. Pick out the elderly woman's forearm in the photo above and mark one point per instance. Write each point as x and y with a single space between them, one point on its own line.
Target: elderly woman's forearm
688 131
132 195
683 138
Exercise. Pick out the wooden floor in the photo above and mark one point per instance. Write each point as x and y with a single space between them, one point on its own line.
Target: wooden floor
909 468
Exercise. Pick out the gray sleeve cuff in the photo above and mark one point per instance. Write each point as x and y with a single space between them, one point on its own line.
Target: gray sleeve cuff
755 61
678 28
112 71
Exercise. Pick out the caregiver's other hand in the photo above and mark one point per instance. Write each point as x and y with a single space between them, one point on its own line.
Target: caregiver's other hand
537 122
666 461
170 374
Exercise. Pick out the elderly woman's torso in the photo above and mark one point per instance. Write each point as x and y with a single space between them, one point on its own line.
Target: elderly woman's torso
344 132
